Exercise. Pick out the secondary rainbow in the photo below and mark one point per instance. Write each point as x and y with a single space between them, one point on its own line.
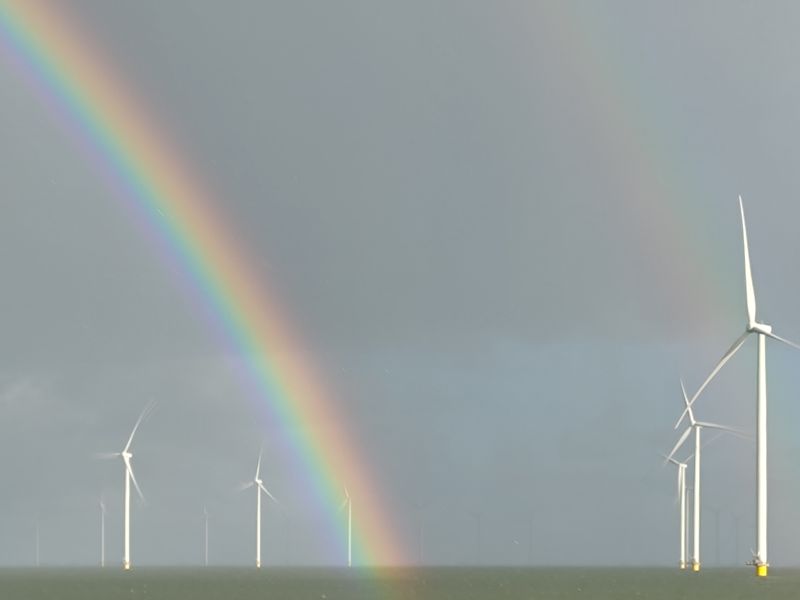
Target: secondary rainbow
658 185
130 151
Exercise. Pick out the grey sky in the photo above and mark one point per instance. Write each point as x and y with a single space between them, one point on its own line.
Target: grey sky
504 230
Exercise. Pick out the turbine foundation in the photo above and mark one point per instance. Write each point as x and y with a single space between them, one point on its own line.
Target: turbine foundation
761 570
126 565
696 567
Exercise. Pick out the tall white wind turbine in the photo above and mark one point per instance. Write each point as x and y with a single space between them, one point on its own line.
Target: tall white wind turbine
696 427
348 502
259 485
682 511
127 455
763 331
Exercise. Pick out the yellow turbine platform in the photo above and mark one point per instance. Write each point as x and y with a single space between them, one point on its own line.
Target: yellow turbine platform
696 567
761 570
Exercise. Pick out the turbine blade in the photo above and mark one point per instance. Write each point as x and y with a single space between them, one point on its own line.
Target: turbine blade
725 358
680 442
687 404
784 340
748 276
342 505
133 478
244 486
664 456
707 425
267 492
258 466
105 455
709 441
147 409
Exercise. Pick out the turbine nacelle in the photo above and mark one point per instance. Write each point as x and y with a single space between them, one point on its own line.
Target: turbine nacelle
759 328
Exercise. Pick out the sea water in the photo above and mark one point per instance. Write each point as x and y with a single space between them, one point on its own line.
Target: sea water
456 583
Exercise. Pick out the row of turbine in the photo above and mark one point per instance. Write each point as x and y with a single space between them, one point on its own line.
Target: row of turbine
763 331
256 483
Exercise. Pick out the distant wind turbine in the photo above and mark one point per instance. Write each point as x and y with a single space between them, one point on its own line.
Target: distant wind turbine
205 512
478 516
348 502
682 511
763 331
696 427
259 485
127 455
420 507
102 533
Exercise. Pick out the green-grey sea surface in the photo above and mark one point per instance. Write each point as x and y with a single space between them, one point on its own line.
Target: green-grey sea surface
456 583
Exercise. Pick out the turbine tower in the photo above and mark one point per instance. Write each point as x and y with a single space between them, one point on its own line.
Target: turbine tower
682 512
763 331
127 455
696 427
259 485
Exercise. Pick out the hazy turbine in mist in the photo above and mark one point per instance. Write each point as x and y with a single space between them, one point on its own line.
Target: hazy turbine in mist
102 533
127 455
205 513
697 427
348 502
763 331
682 511
259 485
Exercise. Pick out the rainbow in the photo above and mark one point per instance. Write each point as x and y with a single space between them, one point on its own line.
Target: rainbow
136 159
665 202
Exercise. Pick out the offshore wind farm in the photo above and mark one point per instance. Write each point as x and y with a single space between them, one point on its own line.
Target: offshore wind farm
435 281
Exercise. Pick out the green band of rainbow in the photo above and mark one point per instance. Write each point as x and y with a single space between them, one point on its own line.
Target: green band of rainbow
54 57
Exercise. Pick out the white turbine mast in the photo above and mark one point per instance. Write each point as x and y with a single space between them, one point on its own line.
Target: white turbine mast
696 427
763 331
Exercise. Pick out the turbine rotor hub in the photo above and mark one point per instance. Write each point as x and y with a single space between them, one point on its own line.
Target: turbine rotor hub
760 328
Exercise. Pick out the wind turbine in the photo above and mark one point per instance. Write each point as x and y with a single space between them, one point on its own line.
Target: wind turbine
37 542
763 331
126 455
696 427
205 512
682 499
102 532
348 502
259 485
